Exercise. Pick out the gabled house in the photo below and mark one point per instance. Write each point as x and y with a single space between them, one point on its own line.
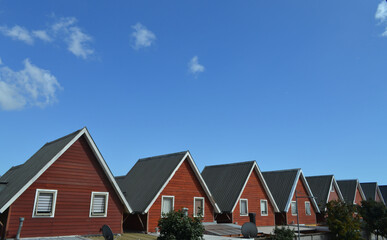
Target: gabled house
383 191
351 191
65 188
371 191
325 189
161 184
285 185
240 189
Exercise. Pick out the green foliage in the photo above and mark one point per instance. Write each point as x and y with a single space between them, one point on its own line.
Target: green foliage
176 225
283 233
374 216
343 221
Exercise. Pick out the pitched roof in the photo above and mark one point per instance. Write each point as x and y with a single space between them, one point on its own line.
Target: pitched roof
148 177
348 189
321 187
370 190
283 185
383 191
227 181
17 179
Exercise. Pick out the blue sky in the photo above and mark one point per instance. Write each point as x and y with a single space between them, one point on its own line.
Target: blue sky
291 84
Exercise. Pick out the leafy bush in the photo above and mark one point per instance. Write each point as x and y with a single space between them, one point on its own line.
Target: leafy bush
374 216
283 233
176 225
343 221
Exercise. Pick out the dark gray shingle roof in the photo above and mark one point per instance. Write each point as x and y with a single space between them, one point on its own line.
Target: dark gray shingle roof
143 182
17 177
348 189
280 184
226 182
369 190
320 186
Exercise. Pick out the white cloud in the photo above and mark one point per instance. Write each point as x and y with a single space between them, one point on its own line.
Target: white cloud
18 33
194 66
32 85
42 35
142 36
381 11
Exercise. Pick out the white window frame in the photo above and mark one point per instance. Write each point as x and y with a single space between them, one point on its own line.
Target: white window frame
295 207
240 207
52 214
91 214
173 203
267 207
310 209
194 208
332 188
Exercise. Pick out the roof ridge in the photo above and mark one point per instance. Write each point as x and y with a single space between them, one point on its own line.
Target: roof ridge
230 164
284 170
163 155
58 139
329 175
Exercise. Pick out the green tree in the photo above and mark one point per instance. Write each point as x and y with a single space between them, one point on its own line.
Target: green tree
374 216
283 233
343 221
176 225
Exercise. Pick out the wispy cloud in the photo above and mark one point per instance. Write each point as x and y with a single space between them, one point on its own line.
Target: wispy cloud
18 33
63 29
30 86
194 66
142 36
381 15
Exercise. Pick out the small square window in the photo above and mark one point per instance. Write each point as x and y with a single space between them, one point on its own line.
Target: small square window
332 188
294 208
244 207
199 207
99 204
264 211
45 201
307 209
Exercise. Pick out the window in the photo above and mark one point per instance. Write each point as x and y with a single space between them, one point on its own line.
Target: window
264 211
198 206
307 208
45 201
244 207
294 208
99 204
167 203
332 188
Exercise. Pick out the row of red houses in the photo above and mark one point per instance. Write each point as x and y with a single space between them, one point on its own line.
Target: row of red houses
66 188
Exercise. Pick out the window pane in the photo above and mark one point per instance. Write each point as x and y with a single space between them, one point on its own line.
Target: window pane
307 208
45 202
199 207
99 204
294 209
264 207
167 205
243 207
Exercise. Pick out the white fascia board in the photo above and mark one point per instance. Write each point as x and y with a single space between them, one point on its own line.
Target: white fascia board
380 194
310 193
106 170
360 190
268 192
32 180
292 191
338 189
243 188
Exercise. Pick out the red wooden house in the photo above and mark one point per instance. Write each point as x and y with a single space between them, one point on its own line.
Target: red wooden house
352 191
161 184
325 189
65 188
240 189
285 185
372 191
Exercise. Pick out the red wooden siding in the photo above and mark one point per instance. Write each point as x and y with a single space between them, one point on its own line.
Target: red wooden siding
303 218
333 195
377 197
358 197
74 175
254 193
184 186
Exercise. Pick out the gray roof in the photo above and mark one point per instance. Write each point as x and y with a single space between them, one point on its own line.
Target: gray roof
321 187
18 176
348 189
383 191
144 181
369 189
281 184
226 182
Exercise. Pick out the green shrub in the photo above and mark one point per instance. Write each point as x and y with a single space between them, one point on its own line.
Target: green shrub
177 226
283 233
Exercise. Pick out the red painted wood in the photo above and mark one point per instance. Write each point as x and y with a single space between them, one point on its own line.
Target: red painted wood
75 175
333 195
358 197
254 193
377 197
303 218
184 186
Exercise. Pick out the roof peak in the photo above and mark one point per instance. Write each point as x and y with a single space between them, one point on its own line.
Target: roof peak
285 170
58 139
231 164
